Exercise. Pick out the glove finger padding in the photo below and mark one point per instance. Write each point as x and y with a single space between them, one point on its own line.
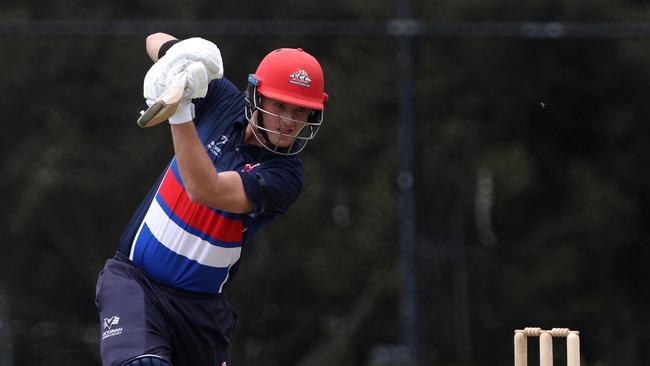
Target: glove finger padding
154 83
173 72
199 49
167 104
197 81
197 78
162 74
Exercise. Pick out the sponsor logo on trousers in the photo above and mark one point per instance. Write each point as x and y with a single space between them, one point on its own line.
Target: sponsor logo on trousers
111 332
108 324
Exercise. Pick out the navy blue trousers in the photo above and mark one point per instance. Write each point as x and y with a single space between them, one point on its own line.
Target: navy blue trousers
139 316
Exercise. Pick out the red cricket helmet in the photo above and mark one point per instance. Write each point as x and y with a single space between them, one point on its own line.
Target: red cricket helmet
292 76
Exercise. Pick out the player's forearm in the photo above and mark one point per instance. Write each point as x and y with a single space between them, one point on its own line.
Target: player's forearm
194 165
153 43
203 184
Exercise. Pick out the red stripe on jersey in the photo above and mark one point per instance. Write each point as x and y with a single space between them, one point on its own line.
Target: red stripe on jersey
197 216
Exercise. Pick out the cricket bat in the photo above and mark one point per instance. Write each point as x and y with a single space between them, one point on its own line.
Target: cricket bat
165 106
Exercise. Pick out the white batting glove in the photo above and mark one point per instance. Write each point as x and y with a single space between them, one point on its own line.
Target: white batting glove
197 78
167 68
154 83
199 49
196 86
184 113
199 59
161 75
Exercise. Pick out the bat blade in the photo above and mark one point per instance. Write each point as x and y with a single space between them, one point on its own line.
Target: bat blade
165 106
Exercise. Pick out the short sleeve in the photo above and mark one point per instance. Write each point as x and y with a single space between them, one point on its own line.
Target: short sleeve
273 186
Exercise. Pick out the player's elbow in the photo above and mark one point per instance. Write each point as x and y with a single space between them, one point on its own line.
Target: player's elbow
159 37
201 197
195 195
153 43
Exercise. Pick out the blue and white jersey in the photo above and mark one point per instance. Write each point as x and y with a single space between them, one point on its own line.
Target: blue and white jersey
185 245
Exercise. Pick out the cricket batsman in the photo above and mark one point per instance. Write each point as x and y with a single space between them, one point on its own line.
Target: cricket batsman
161 297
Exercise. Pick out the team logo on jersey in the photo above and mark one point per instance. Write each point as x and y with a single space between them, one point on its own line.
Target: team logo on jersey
249 167
215 147
300 77
108 324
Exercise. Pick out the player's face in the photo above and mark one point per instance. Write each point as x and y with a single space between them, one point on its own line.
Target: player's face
285 122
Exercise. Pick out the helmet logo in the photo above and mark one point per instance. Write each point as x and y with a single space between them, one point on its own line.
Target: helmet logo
300 77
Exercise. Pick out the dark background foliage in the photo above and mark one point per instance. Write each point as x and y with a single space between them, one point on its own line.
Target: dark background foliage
552 131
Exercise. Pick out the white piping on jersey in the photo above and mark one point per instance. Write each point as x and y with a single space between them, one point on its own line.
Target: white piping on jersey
225 279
